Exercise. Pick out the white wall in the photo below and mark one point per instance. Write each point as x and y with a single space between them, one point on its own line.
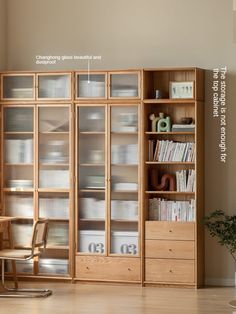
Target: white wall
138 33
2 33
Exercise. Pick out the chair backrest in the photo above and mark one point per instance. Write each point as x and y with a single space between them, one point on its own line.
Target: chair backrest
40 232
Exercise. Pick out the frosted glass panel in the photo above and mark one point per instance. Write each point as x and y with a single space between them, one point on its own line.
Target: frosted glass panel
54 86
124 85
54 147
58 234
54 206
91 86
18 205
18 119
54 119
18 87
124 180
91 119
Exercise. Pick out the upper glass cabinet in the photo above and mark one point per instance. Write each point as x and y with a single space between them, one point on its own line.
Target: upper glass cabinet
124 85
54 86
18 87
91 85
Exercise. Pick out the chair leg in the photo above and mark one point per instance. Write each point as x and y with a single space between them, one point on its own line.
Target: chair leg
19 293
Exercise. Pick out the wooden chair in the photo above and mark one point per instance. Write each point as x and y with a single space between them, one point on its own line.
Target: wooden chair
38 244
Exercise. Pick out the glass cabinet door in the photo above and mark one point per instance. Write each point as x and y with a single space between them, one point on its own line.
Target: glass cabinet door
54 206
18 87
54 147
91 85
124 205
19 204
54 86
91 177
54 186
18 137
124 85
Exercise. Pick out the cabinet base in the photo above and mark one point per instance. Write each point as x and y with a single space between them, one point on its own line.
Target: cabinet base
110 269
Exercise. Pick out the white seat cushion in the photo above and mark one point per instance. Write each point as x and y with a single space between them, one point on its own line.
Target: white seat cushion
15 254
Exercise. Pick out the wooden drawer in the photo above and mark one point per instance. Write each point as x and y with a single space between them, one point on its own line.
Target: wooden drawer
166 230
169 249
169 271
108 268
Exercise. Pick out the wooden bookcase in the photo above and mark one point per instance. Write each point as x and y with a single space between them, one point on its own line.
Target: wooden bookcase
173 250
93 130
37 165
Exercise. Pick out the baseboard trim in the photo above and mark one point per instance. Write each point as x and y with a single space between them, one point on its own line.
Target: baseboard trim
224 282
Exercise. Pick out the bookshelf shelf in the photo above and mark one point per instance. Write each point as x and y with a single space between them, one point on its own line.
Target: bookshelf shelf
170 193
91 133
169 163
170 133
168 101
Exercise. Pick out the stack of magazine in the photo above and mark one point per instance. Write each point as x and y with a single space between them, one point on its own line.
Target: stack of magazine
170 151
185 180
183 127
167 210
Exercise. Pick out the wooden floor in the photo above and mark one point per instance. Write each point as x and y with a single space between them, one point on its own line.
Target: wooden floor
107 299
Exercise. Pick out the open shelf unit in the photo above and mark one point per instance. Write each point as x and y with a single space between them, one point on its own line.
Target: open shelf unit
173 237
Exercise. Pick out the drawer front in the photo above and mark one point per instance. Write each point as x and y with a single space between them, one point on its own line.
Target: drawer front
165 230
169 271
108 268
169 249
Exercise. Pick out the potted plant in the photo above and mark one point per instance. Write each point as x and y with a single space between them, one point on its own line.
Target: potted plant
223 227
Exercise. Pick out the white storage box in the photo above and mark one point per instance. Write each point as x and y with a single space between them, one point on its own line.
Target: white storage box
22 234
125 186
92 241
21 92
19 206
54 179
19 151
21 266
124 242
125 92
92 208
53 266
124 210
91 88
54 207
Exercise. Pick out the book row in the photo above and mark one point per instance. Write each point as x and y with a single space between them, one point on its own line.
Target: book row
166 150
168 210
185 180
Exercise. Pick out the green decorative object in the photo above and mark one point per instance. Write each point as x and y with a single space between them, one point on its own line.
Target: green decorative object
163 124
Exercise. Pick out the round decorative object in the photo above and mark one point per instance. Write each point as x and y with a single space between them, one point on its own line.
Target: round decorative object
164 125
186 120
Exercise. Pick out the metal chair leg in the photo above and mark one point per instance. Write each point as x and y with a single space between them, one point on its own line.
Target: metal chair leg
19 293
